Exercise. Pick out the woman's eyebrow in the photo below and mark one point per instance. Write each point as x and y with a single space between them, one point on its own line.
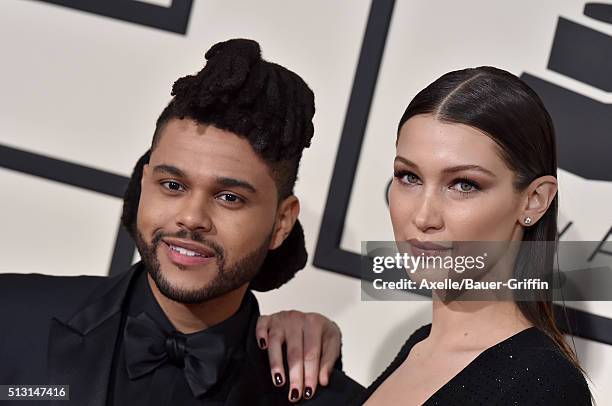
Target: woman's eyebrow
451 169
459 168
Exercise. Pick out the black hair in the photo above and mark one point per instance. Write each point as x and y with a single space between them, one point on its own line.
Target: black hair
240 92
265 103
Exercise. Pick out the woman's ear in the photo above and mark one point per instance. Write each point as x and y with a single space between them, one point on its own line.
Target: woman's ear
286 216
539 196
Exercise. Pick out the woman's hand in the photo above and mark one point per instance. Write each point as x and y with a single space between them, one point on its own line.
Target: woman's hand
313 346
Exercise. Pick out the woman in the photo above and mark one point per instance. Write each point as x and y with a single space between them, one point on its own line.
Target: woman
476 161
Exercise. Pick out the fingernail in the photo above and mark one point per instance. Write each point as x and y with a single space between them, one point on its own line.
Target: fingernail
308 392
294 394
262 343
278 379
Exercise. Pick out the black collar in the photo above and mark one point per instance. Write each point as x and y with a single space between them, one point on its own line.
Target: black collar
233 330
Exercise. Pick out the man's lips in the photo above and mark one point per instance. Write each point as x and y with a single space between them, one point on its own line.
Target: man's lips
187 253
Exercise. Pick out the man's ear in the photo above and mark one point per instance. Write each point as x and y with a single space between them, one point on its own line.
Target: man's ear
131 198
145 173
539 196
287 214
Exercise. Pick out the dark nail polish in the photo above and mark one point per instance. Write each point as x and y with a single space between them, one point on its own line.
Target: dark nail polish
308 392
294 394
262 343
278 379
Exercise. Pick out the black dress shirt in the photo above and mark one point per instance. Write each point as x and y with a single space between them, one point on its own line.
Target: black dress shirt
167 384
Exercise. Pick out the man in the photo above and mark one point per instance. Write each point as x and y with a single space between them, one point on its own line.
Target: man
212 210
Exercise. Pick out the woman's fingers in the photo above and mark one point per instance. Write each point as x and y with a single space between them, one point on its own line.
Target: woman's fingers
294 335
313 346
330 351
261 331
313 336
276 338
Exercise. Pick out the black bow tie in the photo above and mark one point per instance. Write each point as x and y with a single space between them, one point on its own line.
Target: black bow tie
202 357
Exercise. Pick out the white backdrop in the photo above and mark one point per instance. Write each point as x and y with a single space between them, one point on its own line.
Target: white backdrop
87 89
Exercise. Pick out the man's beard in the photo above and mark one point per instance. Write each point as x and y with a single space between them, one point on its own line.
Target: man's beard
227 279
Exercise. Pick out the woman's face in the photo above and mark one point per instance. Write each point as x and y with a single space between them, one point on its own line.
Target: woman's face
451 184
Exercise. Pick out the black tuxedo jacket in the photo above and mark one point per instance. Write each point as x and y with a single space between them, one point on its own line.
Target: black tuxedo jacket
63 330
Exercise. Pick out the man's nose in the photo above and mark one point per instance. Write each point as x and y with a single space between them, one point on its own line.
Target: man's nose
195 214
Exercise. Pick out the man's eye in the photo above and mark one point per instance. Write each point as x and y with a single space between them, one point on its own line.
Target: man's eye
230 197
172 185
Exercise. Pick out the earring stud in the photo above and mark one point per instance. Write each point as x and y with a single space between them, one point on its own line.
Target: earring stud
527 220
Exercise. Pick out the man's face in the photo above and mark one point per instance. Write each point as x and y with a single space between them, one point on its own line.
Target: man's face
206 214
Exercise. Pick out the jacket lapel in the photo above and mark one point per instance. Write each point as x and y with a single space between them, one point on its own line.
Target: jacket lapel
81 349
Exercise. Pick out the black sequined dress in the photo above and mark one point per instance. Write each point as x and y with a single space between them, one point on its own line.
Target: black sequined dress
525 369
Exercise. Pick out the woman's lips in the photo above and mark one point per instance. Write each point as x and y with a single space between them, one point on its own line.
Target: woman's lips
184 257
416 251
428 248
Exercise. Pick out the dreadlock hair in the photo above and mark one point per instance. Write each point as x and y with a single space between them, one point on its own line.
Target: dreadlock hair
239 92
265 103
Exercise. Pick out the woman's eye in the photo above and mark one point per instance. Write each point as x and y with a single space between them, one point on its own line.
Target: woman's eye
407 177
466 186
411 178
172 185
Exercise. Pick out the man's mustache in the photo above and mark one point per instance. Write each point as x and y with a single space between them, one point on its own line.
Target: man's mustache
193 236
